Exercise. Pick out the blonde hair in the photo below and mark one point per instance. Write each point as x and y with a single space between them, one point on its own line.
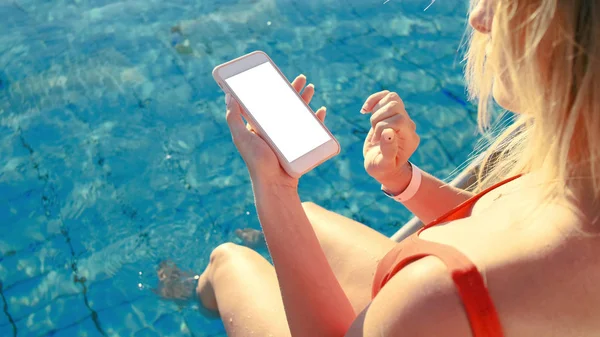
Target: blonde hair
548 51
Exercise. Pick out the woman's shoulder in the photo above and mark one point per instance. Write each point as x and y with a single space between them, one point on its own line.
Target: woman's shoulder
540 270
546 281
539 261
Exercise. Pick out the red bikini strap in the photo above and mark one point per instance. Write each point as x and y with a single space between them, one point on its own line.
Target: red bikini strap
457 212
471 287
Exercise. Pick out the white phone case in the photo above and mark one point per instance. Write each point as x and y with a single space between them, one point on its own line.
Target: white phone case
306 162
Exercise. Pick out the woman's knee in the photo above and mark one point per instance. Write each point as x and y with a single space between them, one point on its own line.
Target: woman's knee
226 253
309 205
230 261
312 210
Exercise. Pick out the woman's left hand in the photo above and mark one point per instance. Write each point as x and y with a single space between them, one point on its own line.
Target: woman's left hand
260 159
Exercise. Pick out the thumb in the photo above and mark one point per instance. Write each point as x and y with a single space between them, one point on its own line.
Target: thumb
389 145
234 118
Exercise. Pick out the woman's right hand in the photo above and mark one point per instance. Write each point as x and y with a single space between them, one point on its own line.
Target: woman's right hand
391 141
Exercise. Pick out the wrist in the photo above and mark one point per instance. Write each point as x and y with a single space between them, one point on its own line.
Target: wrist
274 184
270 197
399 181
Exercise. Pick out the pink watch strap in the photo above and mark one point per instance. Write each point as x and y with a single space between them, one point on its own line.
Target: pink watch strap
413 186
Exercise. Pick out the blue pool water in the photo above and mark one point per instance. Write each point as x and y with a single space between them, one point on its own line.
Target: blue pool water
115 155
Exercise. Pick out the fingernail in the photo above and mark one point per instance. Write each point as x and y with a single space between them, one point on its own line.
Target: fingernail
323 107
227 98
363 111
311 85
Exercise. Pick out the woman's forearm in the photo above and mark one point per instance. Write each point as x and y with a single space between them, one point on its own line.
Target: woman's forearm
433 199
314 301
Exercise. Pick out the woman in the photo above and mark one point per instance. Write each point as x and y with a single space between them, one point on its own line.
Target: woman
519 259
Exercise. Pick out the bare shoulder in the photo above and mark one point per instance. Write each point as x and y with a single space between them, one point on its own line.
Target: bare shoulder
541 274
540 266
420 300
548 284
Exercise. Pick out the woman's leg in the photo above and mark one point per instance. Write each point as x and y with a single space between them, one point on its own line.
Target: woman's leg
352 249
243 287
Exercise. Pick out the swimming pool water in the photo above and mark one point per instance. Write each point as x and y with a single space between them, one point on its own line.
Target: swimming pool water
115 155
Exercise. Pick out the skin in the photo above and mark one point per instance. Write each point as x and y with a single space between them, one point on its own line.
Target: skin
540 270
481 19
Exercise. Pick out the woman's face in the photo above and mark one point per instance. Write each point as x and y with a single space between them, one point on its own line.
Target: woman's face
481 19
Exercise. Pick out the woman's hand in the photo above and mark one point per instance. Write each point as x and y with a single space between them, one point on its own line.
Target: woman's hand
260 159
390 142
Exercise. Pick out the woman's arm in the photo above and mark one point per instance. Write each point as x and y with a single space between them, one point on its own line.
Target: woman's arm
315 304
390 143
433 199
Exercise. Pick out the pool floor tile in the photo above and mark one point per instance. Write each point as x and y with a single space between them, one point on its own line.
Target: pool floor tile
118 156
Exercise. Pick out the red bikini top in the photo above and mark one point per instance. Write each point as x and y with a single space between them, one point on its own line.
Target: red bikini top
469 282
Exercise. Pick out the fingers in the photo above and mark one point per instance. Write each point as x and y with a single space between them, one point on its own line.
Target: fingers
299 82
391 115
389 145
234 108
387 111
321 113
234 119
399 123
370 136
389 98
378 129
372 100
308 93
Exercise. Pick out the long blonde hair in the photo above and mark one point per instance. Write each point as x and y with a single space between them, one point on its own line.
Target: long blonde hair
550 53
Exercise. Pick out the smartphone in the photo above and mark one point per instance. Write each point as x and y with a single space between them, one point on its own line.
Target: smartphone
277 112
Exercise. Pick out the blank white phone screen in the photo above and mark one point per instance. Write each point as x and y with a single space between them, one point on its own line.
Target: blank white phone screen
278 110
